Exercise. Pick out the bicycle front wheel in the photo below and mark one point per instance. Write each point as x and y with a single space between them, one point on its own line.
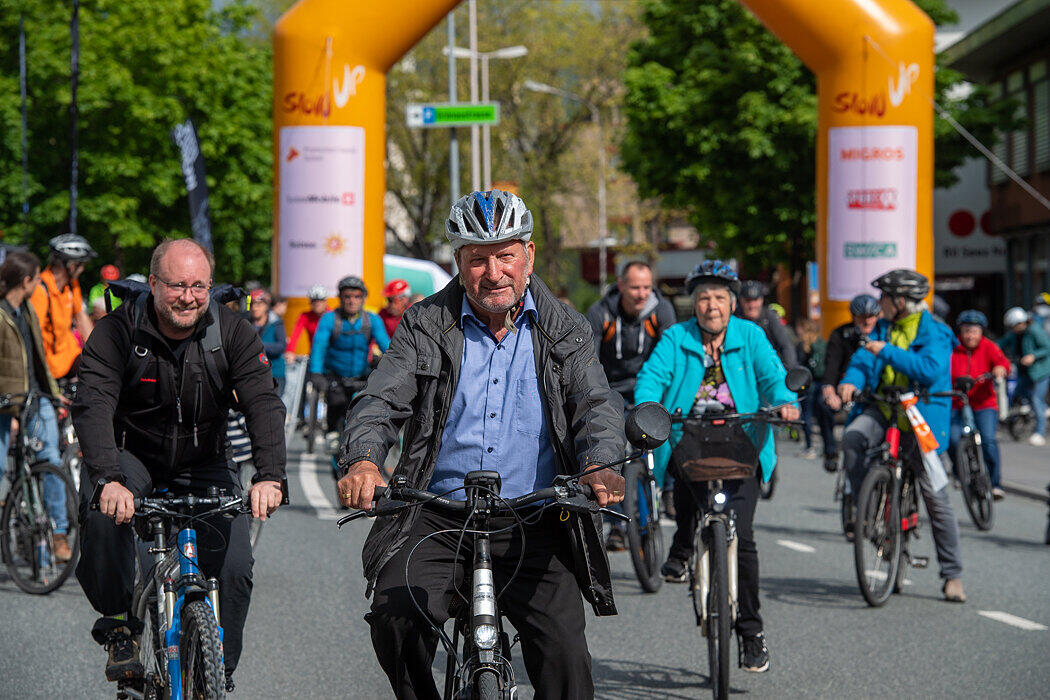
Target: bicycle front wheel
877 536
718 615
975 484
28 541
644 536
200 653
486 686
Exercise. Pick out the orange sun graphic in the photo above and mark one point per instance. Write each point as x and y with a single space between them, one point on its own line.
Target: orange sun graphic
335 244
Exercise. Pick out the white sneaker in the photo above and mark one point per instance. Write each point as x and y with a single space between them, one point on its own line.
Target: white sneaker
1037 440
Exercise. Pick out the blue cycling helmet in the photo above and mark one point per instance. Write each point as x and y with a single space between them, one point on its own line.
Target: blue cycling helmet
864 305
713 271
972 317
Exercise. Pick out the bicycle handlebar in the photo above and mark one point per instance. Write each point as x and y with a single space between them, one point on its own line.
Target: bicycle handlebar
173 505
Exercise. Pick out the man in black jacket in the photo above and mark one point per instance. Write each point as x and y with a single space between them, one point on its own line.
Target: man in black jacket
492 372
150 415
753 308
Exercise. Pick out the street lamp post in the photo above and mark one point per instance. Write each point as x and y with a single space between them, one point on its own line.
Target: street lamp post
596 119
486 130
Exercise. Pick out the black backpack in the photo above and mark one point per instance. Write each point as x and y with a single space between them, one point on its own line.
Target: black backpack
137 294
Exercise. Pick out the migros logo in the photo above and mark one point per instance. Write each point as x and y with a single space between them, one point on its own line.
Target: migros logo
343 88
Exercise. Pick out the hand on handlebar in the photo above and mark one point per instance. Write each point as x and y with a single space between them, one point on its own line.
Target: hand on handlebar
846 392
117 502
999 372
264 497
789 412
607 485
357 488
831 398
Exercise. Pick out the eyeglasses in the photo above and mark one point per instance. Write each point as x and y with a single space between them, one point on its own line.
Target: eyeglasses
198 290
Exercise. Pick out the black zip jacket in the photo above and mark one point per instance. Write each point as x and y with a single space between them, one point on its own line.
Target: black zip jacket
778 335
842 343
413 386
174 417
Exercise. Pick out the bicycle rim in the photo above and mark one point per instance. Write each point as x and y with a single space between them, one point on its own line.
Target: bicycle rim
28 543
877 536
644 535
200 653
718 613
976 487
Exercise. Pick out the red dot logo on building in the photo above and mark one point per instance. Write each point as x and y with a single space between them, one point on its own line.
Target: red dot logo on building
961 223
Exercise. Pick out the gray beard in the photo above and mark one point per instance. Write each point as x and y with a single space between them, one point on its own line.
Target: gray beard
169 318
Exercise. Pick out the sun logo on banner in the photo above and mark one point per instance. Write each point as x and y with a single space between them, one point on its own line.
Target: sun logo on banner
335 244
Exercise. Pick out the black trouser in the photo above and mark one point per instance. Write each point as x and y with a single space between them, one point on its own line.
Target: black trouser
743 497
543 603
337 397
107 553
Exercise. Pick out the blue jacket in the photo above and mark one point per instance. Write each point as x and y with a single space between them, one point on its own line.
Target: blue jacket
273 339
926 362
346 354
754 373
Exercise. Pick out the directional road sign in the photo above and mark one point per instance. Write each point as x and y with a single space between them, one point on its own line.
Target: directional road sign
449 114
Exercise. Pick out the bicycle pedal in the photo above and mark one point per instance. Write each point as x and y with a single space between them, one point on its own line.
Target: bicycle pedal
918 562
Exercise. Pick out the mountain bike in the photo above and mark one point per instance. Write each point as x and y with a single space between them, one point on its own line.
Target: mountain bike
645 538
968 458
715 448
887 506
181 644
27 530
479 664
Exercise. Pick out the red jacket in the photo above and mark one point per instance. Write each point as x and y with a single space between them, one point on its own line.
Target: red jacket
307 321
974 363
389 320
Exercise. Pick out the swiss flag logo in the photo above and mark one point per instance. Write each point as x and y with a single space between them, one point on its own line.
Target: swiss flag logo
263 358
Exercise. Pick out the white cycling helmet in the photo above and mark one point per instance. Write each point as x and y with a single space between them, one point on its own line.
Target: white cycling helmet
1014 316
318 292
484 218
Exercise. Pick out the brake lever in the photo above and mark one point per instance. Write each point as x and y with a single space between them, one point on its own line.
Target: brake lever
615 514
379 510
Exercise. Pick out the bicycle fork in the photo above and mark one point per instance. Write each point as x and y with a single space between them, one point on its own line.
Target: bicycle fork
703 582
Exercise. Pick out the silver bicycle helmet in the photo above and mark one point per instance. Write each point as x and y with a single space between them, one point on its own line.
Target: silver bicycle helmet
484 218
1015 315
318 292
70 247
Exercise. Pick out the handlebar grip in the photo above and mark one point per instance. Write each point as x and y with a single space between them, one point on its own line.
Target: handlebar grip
587 491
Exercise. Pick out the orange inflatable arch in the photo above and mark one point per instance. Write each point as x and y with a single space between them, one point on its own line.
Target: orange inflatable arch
874 65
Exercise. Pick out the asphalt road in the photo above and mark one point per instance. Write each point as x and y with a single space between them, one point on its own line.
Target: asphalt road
305 636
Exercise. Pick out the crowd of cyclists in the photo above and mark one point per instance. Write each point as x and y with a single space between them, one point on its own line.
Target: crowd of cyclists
494 372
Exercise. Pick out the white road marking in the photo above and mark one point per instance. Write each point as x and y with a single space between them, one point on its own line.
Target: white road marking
1012 620
315 495
797 546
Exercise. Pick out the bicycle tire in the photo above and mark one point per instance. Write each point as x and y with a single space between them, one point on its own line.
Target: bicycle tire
311 421
73 463
766 488
718 615
975 484
1020 426
200 653
645 540
878 526
22 535
486 685
909 503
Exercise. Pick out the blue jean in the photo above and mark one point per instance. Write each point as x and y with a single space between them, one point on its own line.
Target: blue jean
43 425
1035 392
987 420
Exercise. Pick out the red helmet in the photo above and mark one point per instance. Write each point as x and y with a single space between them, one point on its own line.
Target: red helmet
396 288
110 273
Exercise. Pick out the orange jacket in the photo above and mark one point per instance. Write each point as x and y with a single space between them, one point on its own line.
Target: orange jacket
56 309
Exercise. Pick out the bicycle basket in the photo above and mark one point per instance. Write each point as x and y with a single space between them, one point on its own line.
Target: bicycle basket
714 451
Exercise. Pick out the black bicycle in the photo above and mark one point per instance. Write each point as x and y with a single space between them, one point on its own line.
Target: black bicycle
479 663
715 448
968 458
27 529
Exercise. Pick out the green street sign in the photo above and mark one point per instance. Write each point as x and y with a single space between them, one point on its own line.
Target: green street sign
446 115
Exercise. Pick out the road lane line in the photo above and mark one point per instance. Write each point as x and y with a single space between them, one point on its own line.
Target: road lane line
315 495
1013 620
797 546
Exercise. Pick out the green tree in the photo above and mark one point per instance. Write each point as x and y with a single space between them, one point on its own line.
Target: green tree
722 120
145 66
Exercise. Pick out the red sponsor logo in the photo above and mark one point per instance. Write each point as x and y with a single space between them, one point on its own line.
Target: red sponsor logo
882 199
292 155
148 380
874 105
189 551
885 153
263 358
348 199
300 102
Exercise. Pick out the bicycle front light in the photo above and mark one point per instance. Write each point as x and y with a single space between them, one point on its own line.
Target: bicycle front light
720 498
485 636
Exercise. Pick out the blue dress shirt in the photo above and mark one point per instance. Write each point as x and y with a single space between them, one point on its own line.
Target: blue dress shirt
496 420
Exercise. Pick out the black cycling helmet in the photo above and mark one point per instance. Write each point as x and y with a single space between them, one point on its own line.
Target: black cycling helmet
69 247
752 289
972 317
864 305
352 282
903 283
713 271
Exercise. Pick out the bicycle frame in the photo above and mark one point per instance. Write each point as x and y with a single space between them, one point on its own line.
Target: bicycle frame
27 446
644 514
701 587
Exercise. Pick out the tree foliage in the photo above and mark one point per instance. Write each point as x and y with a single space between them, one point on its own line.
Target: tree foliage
145 66
722 121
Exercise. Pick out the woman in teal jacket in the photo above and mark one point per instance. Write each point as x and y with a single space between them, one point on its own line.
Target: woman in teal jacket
719 357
